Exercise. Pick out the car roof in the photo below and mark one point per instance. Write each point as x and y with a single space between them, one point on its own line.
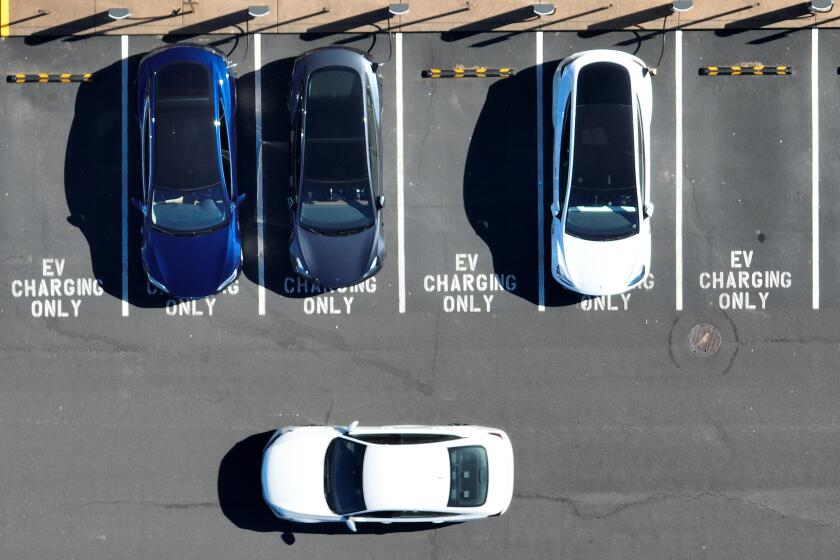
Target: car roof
603 136
185 137
406 477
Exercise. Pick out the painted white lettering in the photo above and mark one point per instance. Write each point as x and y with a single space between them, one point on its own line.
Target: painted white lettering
17 288
460 264
487 301
47 267
763 296
211 301
76 303
309 306
473 259
348 302
625 298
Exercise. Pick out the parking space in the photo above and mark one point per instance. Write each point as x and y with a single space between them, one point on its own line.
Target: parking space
747 182
470 177
654 298
627 443
829 169
286 292
61 187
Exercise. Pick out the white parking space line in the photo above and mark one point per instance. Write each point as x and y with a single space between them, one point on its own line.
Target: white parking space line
124 171
678 168
540 210
815 170
400 178
259 154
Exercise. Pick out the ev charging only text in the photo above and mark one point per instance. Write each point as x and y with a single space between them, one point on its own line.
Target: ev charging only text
466 290
192 307
54 295
327 301
744 286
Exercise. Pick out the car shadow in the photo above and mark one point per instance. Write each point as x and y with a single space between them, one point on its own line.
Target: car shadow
240 498
276 133
93 181
500 183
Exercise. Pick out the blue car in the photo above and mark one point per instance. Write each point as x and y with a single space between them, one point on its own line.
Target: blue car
186 108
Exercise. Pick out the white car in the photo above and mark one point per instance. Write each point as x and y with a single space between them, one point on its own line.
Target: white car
601 209
389 474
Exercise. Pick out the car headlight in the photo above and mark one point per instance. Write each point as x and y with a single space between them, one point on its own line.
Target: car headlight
301 269
638 278
562 274
157 284
228 280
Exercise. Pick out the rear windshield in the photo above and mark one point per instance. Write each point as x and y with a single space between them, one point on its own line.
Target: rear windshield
468 476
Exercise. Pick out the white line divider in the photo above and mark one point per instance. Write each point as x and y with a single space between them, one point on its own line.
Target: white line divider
259 154
815 170
540 174
678 169
124 170
400 178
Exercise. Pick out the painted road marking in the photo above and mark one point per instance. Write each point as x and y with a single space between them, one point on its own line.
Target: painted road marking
540 210
124 172
4 18
815 171
259 151
678 165
400 179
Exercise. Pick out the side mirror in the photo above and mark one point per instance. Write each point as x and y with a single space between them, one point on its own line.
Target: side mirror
290 202
648 209
555 209
240 199
380 201
352 426
350 523
139 205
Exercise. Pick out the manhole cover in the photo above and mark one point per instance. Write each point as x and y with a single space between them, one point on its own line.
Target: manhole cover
704 339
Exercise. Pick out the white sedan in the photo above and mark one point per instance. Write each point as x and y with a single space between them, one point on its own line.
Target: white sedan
601 209
389 474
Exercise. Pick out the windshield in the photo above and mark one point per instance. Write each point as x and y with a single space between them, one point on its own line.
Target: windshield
468 470
336 195
189 211
343 476
602 201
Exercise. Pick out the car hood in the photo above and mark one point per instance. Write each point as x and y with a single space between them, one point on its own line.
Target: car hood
600 268
191 266
293 473
336 261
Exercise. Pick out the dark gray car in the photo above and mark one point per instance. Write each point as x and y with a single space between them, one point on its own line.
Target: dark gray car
336 225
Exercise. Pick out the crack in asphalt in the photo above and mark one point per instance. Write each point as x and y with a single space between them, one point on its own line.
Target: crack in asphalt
148 503
576 507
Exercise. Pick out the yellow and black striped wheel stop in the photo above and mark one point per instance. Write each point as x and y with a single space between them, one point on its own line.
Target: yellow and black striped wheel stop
751 70
477 72
65 78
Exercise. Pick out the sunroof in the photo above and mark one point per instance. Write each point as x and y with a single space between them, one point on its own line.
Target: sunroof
603 83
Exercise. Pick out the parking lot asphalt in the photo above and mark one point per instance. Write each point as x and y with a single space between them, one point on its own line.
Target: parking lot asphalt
132 426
